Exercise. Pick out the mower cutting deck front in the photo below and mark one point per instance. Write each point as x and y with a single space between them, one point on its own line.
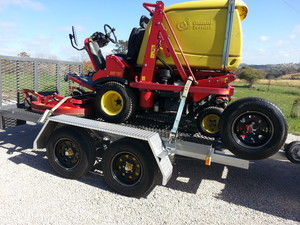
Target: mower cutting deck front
81 105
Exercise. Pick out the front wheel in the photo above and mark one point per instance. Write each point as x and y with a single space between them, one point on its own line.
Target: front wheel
129 167
253 128
115 102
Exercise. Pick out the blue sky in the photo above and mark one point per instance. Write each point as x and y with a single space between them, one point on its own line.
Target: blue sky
40 28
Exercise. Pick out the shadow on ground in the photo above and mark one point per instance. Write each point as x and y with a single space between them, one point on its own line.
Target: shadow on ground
269 186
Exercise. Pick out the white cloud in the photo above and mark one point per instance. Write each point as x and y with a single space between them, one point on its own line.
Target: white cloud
262 51
264 38
297 29
35 5
281 42
292 36
7 25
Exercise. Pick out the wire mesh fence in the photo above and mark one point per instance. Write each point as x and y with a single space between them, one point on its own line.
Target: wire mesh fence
18 73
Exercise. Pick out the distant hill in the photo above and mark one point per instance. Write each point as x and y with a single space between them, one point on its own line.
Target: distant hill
288 70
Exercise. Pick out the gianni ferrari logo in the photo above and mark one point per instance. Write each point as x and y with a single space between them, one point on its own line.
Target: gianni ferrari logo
184 25
194 25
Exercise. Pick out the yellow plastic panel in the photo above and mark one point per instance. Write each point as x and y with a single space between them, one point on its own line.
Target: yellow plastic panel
200 29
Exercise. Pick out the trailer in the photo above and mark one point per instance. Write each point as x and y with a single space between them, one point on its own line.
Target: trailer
134 156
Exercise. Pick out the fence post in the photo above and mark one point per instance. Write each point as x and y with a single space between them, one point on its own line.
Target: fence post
1 82
18 80
58 74
81 68
35 74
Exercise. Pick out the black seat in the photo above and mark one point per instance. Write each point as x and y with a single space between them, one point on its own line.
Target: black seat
135 41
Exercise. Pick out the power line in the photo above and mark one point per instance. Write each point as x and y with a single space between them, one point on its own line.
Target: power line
289 5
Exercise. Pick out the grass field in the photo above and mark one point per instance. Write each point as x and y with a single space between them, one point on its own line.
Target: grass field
282 94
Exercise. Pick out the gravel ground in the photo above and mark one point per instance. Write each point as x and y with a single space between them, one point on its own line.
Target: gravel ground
31 193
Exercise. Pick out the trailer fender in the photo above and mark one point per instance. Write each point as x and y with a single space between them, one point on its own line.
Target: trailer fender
160 153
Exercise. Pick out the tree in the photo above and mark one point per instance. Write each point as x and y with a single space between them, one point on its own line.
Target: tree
121 47
250 75
24 55
88 67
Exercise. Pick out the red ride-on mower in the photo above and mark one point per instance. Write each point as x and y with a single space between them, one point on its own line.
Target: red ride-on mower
153 73
181 60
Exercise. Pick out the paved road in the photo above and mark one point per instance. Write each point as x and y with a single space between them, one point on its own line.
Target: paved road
31 193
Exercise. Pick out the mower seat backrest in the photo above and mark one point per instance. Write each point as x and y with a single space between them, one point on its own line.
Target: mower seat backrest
135 41
97 55
134 44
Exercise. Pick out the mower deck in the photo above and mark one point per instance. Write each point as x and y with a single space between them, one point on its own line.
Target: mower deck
81 105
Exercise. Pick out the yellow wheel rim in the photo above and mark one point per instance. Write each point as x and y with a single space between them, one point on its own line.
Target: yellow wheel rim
210 123
112 103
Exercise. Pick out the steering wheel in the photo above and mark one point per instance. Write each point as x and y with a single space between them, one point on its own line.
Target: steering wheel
108 31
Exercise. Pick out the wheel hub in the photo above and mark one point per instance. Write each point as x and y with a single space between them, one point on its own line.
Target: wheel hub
126 169
296 153
253 129
112 103
211 123
66 153
69 152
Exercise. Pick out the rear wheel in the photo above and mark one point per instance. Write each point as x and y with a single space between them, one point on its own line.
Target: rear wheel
129 167
253 128
71 152
208 121
115 102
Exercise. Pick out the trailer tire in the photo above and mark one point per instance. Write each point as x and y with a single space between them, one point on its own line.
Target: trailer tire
253 128
208 121
129 167
292 152
71 152
115 102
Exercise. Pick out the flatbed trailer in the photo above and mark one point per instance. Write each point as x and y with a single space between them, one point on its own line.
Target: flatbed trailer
131 155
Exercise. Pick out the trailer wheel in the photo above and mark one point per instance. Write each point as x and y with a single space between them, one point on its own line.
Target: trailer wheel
71 152
129 167
208 121
292 151
115 102
253 128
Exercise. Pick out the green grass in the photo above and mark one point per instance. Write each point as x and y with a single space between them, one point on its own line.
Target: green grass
282 96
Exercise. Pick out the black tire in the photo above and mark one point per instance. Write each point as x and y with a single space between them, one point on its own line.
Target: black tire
253 128
292 152
208 121
115 102
129 167
71 152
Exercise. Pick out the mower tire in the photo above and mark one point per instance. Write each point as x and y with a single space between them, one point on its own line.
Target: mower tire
253 128
115 102
208 121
